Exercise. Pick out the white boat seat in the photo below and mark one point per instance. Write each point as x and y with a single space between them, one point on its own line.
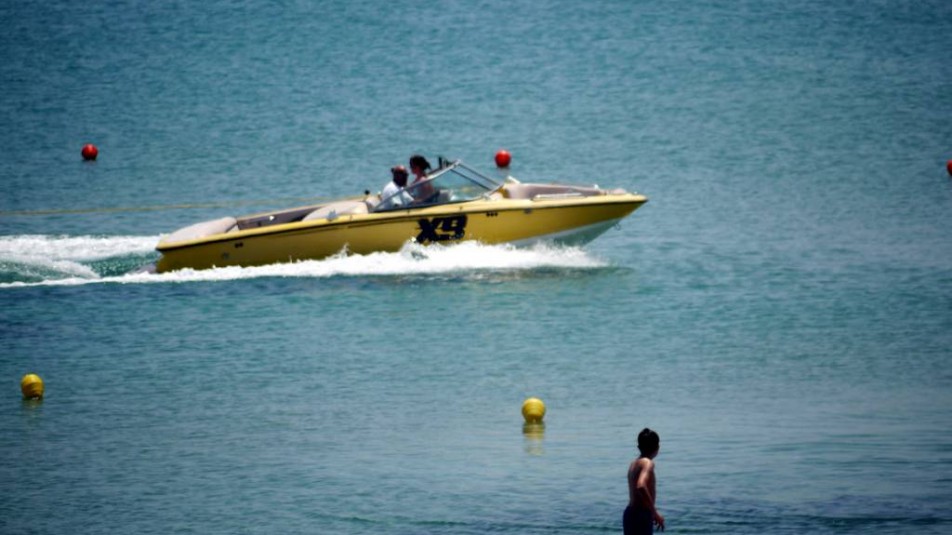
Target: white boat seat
372 202
333 210
531 191
205 228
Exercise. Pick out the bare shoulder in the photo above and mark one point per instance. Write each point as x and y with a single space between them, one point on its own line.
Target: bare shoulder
639 465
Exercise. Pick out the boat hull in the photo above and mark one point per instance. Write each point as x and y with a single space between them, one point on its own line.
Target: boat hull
573 221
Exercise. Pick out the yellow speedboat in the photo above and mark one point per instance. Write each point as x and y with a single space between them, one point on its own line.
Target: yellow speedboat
453 203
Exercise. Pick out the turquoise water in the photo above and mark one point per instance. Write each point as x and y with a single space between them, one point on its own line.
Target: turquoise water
780 311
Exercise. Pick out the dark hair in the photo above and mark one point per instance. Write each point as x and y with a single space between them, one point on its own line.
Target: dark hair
648 441
419 162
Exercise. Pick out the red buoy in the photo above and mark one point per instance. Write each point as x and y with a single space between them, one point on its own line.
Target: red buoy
503 158
90 152
948 167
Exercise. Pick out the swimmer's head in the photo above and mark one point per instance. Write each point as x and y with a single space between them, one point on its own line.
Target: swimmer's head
648 442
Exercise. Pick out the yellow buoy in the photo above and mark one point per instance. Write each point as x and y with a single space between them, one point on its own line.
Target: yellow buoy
533 410
32 386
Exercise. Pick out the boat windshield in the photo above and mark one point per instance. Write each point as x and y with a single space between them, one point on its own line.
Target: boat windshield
453 183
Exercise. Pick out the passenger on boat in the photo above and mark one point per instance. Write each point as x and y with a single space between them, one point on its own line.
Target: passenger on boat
419 166
393 194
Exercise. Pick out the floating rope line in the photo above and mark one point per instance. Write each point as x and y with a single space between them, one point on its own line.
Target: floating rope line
223 204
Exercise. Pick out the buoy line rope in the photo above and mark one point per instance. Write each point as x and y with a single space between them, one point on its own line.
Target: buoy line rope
223 204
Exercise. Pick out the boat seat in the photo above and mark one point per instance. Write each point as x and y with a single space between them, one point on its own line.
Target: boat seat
333 210
531 191
274 218
205 228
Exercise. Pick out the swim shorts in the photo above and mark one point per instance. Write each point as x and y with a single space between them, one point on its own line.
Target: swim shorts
637 521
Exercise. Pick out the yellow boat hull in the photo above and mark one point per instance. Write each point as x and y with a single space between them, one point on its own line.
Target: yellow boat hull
489 221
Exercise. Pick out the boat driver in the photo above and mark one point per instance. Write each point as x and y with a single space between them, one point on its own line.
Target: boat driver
394 195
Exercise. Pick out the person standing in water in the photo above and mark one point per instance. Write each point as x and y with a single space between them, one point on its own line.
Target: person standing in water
641 515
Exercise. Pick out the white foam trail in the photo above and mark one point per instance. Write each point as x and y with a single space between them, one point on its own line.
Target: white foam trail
36 249
412 259
64 254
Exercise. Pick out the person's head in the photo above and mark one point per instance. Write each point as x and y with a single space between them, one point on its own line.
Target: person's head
419 165
399 175
648 442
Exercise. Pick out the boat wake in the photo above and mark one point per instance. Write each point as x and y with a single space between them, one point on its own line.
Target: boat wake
33 260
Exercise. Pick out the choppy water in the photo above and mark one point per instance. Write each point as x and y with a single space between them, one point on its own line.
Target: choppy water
780 311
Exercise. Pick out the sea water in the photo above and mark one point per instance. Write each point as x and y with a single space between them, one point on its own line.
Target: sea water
780 311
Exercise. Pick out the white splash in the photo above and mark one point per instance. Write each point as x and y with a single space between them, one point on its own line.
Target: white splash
64 254
36 248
